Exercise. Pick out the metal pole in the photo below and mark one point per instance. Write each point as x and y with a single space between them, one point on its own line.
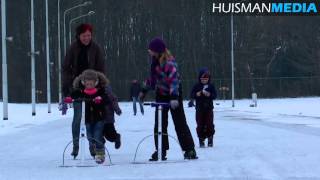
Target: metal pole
232 61
74 19
160 131
48 61
59 55
4 60
33 83
83 132
64 33
70 32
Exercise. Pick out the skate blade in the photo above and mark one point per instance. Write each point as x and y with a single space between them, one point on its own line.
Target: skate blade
86 163
190 159
83 165
161 162
100 162
74 166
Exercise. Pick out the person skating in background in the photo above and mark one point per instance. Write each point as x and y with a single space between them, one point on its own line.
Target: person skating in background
82 54
204 93
90 85
134 95
109 131
164 79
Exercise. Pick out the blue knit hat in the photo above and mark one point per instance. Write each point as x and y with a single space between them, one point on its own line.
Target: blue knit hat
204 73
157 45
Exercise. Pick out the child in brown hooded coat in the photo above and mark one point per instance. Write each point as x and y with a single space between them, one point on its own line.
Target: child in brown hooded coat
90 86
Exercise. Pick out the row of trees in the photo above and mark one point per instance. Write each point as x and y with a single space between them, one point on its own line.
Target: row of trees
266 48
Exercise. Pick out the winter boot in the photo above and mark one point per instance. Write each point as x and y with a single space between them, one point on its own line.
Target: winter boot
191 154
201 142
164 155
154 156
100 156
210 141
117 143
75 151
92 149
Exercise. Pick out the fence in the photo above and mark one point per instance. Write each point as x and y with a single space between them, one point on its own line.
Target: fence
269 87
266 87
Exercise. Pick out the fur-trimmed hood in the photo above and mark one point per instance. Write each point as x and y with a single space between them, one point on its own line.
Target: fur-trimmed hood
90 74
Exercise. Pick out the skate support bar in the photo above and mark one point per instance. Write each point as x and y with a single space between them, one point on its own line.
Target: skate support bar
83 100
159 107
81 162
158 118
157 104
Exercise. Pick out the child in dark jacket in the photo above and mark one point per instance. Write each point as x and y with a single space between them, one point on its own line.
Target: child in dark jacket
109 131
90 86
204 93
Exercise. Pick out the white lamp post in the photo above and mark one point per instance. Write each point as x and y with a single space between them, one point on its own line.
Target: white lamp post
59 55
232 62
48 61
4 60
32 54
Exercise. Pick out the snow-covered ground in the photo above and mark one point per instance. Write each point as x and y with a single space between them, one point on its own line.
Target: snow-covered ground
280 139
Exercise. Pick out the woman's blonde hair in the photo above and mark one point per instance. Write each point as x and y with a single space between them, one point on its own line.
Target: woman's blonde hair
166 55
